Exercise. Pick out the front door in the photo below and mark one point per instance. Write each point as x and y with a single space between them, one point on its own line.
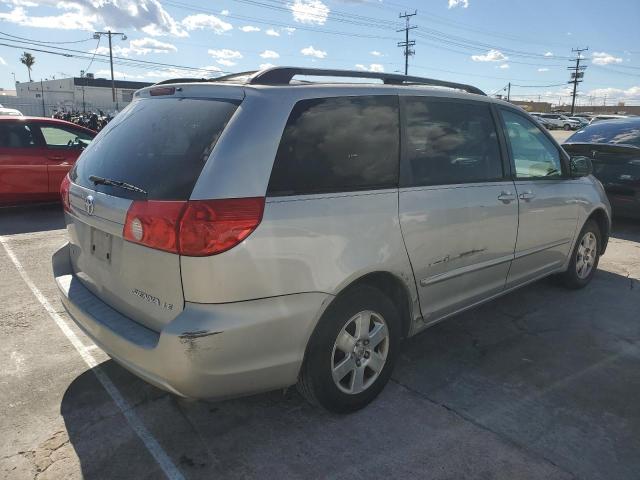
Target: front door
458 208
546 199
63 147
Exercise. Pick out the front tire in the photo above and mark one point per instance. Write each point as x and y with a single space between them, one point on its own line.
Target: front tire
352 352
567 127
584 257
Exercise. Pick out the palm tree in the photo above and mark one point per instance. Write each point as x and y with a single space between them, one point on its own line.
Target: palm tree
28 60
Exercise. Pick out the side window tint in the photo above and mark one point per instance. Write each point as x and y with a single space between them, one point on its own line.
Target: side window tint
449 142
16 135
534 155
61 137
338 144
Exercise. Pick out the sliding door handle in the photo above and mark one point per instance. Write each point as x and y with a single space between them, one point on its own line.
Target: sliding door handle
528 195
506 197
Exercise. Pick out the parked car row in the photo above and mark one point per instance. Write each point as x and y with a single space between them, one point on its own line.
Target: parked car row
249 233
614 149
553 121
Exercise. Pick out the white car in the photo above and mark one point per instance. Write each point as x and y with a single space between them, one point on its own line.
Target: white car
10 112
561 121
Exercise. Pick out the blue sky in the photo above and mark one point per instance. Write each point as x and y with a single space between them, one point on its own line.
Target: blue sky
484 42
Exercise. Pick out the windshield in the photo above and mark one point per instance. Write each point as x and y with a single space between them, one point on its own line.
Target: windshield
158 145
615 132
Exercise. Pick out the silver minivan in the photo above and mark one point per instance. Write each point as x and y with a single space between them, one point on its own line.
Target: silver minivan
256 231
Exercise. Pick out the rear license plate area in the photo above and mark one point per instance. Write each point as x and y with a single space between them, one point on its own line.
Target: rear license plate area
101 245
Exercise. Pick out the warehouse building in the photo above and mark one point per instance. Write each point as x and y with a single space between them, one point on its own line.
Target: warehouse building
71 94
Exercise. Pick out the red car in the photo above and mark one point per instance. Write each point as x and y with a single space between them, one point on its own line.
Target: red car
35 155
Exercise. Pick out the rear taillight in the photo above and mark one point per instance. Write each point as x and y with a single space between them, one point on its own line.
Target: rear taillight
154 224
193 228
64 193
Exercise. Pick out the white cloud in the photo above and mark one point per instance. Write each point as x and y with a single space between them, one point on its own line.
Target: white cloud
75 20
543 69
490 56
225 56
225 12
2 61
224 53
206 72
376 53
617 94
204 21
272 32
139 46
270 54
548 54
249 28
264 66
373 67
312 52
309 11
148 16
225 62
603 58
289 30
142 46
458 3
504 66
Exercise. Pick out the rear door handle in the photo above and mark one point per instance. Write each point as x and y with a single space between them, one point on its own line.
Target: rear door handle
57 158
528 195
506 197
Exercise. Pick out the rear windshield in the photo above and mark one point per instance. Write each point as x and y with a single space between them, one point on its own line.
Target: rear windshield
159 145
617 132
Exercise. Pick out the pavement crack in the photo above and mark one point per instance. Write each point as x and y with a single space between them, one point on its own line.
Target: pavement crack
500 435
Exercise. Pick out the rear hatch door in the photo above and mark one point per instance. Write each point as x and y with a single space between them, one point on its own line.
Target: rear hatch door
159 145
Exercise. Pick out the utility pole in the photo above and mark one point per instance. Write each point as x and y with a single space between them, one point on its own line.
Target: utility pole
109 34
84 106
44 112
407 44
509 92
577 74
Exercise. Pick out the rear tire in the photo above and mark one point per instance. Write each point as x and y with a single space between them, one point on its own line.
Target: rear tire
584 257
352 352
567 127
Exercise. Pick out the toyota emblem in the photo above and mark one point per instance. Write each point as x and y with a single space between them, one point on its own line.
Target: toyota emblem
88 205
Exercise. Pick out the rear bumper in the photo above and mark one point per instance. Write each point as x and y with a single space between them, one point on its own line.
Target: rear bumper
208 351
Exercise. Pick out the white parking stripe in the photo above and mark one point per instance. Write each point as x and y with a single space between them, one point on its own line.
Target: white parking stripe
165 463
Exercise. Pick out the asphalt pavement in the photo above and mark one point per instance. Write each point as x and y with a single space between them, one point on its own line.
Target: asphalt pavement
540 384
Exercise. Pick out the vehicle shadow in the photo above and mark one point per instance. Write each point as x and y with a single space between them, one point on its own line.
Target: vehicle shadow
536 384
31 218
626 229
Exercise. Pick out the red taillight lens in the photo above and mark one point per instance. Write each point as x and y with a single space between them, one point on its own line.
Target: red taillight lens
195 228
214 226
64 193
154 224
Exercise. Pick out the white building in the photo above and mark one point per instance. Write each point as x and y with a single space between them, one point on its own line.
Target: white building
82 94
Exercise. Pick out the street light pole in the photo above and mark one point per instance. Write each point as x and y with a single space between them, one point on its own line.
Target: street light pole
109 34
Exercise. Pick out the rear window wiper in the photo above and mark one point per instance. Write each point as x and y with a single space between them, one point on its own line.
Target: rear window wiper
116 183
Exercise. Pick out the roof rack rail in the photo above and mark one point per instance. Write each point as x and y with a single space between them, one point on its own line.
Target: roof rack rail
284 75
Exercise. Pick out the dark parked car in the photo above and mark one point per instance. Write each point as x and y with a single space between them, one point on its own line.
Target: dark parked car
614 149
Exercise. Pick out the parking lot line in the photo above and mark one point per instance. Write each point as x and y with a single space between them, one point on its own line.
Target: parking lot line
150 442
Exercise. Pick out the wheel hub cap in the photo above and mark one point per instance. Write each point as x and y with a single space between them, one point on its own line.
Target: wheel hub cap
586 255
360 352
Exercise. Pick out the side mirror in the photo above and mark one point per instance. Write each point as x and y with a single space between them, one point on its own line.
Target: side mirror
580 167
